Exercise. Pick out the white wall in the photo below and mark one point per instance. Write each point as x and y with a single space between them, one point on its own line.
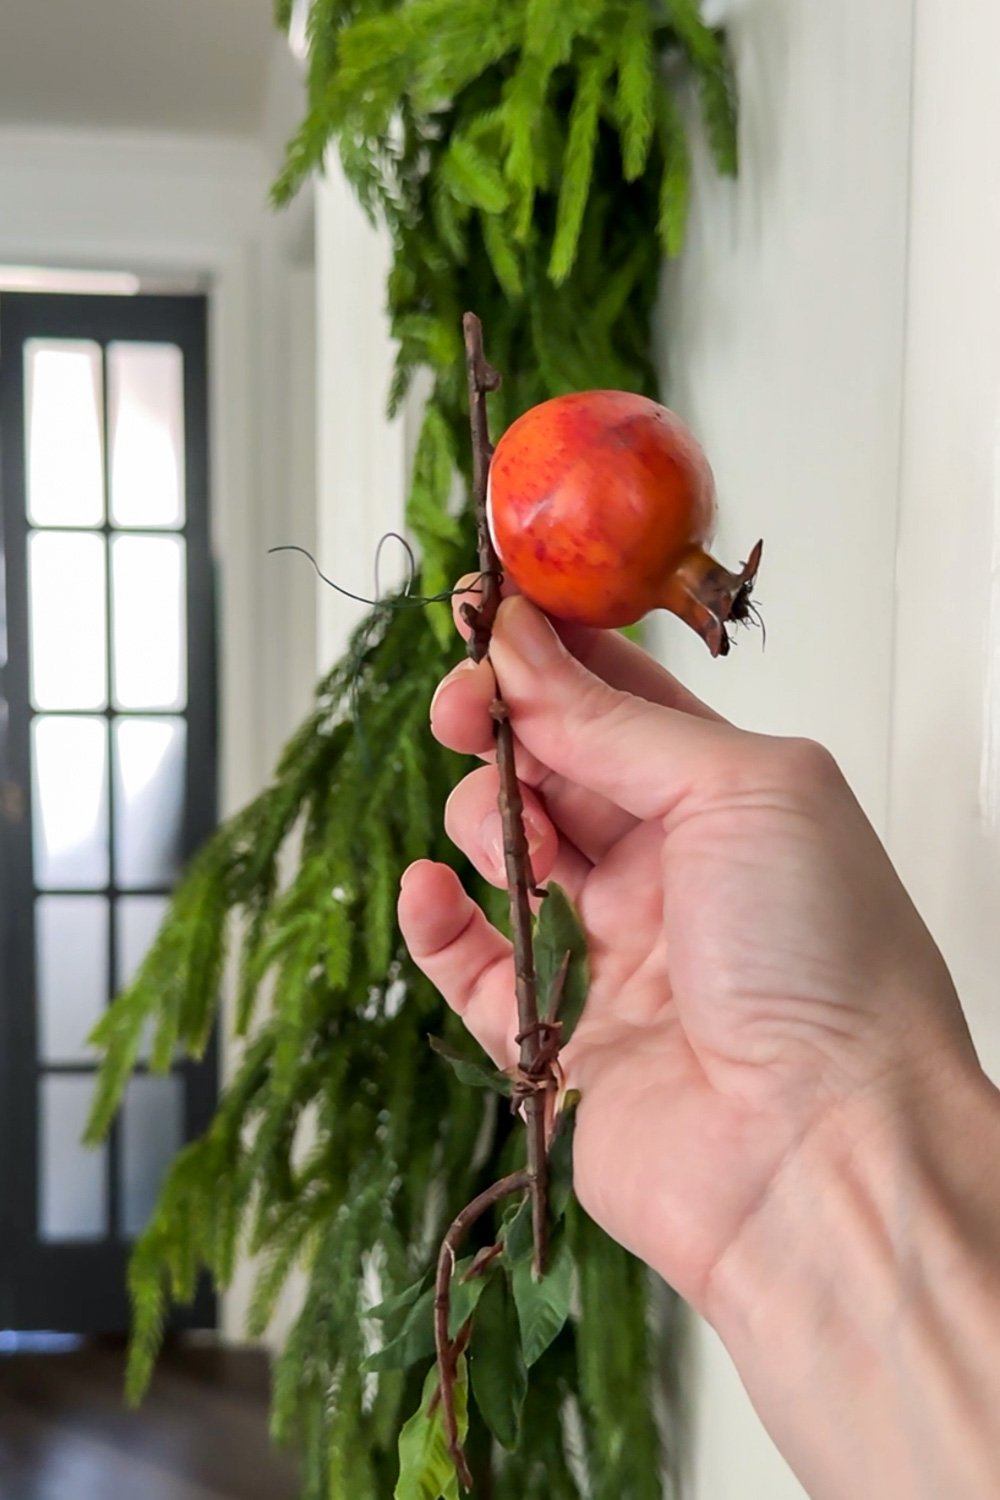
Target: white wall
944 810
783 334
782 337
836 343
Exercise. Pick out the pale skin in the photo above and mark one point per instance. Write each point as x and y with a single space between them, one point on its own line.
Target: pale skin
782 1111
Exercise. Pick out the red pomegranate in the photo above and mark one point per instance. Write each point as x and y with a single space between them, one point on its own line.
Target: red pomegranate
601 506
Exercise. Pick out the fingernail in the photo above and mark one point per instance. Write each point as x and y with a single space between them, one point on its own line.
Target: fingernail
491 838
463 666
526 630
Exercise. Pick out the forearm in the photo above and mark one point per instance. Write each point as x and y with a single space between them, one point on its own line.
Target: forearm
861 1303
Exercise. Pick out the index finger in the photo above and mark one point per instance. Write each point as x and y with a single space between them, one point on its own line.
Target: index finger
462 719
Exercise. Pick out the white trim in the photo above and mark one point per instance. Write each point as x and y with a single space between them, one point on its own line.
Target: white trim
361 456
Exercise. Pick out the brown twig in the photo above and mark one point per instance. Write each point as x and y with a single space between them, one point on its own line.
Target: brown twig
538 1061
450 1350
483 378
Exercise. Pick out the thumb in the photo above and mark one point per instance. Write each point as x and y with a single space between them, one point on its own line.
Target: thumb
642 756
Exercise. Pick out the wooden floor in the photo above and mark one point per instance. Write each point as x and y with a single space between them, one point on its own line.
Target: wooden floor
200 1435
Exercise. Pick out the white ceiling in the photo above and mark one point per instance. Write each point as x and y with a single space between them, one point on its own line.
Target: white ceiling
183 65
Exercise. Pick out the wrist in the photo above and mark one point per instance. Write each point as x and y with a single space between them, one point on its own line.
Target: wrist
861 1299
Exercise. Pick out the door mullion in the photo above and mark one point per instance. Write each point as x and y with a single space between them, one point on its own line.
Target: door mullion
114 1136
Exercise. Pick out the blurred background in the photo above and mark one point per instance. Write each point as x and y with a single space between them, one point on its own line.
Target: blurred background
832 333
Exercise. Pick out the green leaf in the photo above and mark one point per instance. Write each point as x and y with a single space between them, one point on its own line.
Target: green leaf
518 1238
469 1071
557 932
561 1156
496 1365
700 40
543 1306
380 908
473 177
636 89
675 184
413 1345
427 512
449 220
440 342
550 26
577 166
524 95
400 1301
502 252
717 89
426 1470
415 1341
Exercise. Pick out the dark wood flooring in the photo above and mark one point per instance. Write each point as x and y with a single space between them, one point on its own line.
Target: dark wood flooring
201 1434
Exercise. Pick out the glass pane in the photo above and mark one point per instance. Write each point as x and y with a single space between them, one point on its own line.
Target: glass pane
63 418
68 610
71 944
146 427
148 625
149 801
70 802
138 922
72 1180
139 919
152 1132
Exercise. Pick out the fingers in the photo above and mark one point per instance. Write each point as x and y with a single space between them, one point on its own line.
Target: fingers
462 955
643 757
620 662
472 821
460 708
460 717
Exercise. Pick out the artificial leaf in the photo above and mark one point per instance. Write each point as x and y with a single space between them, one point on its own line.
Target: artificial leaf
433 468
675 185
699 38
401 1301
474 177
469 1071
415 1340
718 104
518 1240
636 90
503 255
543 1306
560 1159
558 932
426 1469
577 166
496 1365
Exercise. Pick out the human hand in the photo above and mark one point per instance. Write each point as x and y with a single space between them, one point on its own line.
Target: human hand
756 964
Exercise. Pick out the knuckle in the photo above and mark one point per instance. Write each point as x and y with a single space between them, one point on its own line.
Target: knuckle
807 764
597 703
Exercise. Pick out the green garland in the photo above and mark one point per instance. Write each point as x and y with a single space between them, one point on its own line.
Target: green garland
530 161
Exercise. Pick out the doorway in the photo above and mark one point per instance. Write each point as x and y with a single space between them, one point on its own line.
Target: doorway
107 767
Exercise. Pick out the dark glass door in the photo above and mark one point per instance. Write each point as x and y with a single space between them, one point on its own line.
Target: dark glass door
107 766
